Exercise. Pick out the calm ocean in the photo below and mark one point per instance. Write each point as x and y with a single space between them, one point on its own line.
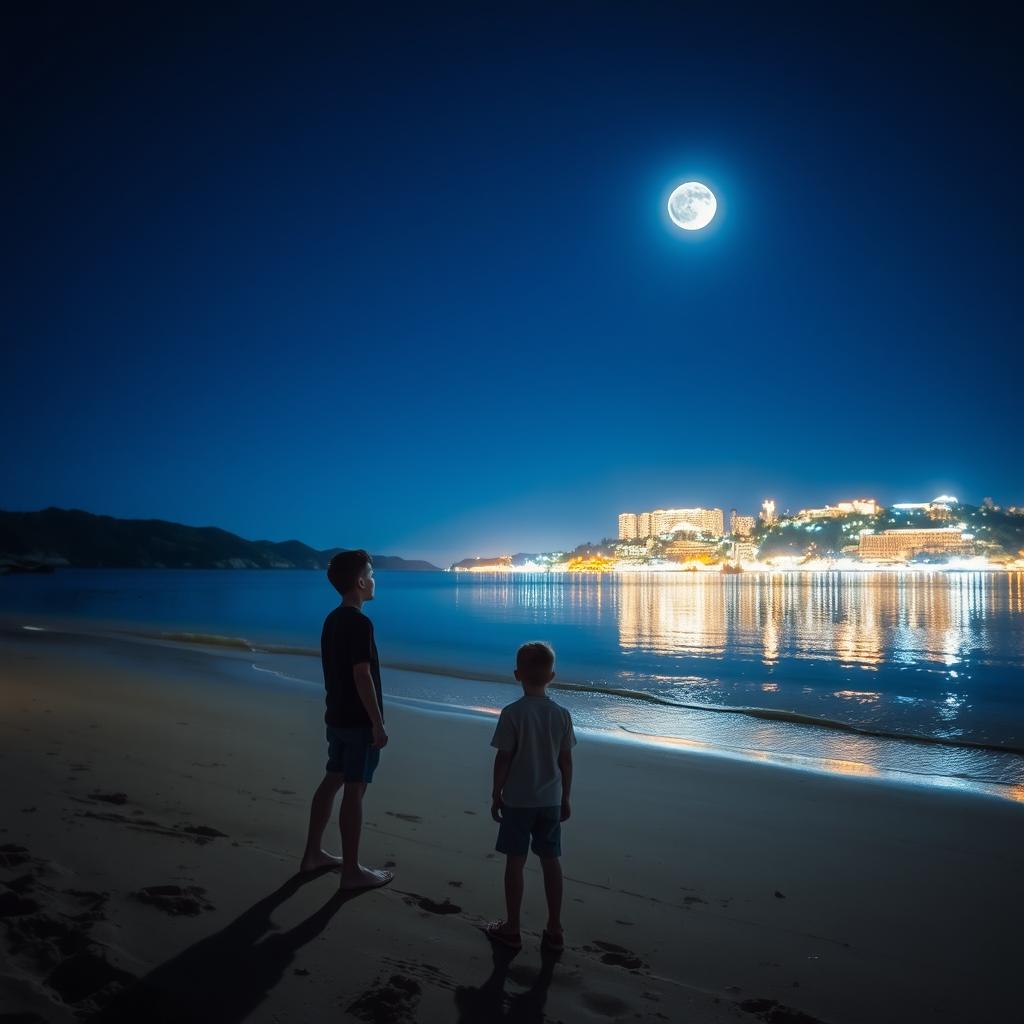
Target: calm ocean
830 671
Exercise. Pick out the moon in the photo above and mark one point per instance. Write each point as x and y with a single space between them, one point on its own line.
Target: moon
692 206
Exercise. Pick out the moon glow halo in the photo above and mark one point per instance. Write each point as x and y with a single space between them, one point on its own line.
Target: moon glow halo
692 206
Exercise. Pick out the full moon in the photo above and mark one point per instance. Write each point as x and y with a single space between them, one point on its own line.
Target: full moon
692 206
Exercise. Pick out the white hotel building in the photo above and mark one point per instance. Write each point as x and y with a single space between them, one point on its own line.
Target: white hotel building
859 506
641 525
899 545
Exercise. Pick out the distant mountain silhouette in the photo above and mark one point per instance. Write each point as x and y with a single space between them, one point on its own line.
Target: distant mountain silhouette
57 536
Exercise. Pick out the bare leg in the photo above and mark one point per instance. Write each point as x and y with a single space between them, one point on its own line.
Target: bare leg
353 874
513 890
552 868
320 810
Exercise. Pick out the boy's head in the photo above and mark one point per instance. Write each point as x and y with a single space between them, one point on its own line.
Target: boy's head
535 664
352 572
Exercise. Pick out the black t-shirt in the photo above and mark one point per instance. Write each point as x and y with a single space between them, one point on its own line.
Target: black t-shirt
346 641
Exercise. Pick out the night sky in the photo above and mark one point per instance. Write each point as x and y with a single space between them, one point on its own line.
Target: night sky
402 278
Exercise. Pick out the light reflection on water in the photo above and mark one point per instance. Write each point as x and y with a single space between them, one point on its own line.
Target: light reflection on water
855 619
943 651
933 654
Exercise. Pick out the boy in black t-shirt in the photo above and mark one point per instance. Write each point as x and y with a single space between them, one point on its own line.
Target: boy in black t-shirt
355 722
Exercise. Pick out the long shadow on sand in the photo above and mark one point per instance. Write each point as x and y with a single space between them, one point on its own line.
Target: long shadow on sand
490 1002
224 977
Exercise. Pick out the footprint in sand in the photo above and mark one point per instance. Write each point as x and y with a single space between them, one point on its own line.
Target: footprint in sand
13 904
139 824
432 906
176 900
109 798
85 974
776 1013
92 904
415 819
603 1004
12 855
425 972
393 1001
199 834
56 933
203 833
284 792
617 956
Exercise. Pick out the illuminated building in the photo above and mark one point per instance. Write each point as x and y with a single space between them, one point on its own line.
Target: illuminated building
662 521
691 550
632 552
741 526
942 502
744 551
768 511
897 545
859 506
688 520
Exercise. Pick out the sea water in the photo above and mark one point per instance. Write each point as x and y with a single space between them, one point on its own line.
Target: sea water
915 675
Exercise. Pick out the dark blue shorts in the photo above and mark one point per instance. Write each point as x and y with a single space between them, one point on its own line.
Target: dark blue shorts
520 824
350 751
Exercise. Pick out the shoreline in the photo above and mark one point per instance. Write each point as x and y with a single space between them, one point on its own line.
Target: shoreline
470 703
707 890
928 660
451 672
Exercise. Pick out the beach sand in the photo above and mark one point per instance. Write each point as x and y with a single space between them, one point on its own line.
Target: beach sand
154 805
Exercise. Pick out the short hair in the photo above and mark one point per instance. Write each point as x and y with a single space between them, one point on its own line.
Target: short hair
535 659
345 568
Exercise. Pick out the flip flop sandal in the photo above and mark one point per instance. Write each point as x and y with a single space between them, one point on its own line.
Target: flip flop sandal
492 932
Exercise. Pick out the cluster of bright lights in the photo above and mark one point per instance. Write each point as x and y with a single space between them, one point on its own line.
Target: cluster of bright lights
894 545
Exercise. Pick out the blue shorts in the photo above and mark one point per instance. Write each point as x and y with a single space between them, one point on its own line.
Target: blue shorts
350 752
519 824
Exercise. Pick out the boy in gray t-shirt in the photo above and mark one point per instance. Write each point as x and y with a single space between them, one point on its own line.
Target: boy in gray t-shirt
530 799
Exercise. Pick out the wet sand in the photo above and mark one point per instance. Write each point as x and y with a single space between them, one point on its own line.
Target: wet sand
154 806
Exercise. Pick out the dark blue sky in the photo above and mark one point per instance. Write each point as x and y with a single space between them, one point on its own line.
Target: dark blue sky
403 278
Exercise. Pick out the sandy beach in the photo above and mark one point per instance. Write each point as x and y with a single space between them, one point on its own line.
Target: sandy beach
154 806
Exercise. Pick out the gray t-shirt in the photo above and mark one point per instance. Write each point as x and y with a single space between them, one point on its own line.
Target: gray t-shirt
535 730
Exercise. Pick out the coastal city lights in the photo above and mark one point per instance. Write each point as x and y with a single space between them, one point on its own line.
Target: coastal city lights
857 534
